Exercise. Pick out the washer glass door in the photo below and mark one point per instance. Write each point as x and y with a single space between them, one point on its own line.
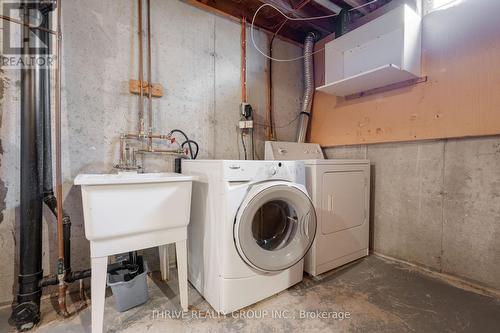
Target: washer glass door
275 227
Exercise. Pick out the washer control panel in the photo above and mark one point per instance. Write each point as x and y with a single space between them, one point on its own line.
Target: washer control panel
273 170
236 171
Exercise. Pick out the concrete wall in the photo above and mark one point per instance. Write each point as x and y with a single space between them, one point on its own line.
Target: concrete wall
196 57
437 204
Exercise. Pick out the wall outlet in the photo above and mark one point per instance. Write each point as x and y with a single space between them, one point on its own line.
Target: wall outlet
246 124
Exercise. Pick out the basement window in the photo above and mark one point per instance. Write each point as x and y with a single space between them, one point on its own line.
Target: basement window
432 5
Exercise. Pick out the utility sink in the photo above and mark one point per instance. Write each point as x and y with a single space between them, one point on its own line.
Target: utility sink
129 211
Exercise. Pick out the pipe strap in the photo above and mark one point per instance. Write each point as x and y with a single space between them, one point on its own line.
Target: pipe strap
28 278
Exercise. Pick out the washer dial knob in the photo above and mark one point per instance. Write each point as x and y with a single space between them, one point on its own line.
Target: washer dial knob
273 170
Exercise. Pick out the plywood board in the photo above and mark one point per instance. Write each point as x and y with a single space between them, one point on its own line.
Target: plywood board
461 97
134 87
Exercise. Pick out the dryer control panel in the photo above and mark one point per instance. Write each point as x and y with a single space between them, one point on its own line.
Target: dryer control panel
275 150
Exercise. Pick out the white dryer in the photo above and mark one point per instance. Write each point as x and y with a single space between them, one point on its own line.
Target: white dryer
340 190
252 223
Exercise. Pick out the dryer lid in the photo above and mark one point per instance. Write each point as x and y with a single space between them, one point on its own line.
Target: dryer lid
275 226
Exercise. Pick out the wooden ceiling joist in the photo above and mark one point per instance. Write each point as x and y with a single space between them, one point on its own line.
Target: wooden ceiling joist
270 20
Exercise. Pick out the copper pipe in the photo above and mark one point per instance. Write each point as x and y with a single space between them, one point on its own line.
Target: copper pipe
13 20
243 60
125 155
59 195
83 298
61 299
153 136
141 70
122 147
161 151
131 136
150 82
160 136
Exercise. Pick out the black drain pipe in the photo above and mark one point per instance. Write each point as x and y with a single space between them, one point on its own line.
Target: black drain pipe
36 175
27 312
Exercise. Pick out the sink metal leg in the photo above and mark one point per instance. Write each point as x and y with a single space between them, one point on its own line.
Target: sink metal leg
164 262
181 251
98 292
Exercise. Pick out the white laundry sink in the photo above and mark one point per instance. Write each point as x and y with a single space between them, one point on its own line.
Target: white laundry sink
130 210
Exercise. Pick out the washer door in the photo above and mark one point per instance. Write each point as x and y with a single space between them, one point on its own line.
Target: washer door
275 226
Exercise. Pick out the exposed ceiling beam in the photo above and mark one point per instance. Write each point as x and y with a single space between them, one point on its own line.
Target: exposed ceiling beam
329 5
286 34
270 20
383 7
356 3
288 10
300 5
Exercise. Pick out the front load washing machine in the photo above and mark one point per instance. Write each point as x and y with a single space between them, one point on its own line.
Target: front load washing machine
252 223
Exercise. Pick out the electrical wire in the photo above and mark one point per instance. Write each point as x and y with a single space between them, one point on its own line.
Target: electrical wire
238 142
289 18
244 146
253 144
281 126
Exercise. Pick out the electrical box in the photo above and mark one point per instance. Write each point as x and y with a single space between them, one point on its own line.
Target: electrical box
246 110
381 52
246 124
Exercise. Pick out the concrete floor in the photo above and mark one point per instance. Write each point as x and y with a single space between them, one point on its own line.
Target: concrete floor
380 296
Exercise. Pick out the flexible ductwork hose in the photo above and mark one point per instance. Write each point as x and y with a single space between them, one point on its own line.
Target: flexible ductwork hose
308 86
